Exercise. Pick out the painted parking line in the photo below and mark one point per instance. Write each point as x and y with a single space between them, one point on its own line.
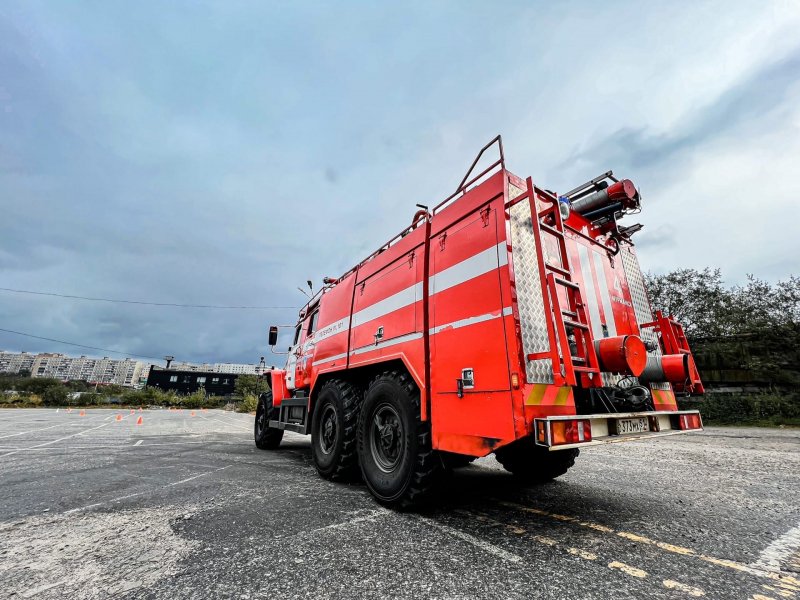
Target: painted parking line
2 437
142 493
720 562
248 429
471 539
121 446
582 553
780 552
61 439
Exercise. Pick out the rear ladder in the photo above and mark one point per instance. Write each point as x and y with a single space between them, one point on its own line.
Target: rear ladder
566 366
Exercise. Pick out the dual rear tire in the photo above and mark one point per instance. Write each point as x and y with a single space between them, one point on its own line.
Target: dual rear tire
377 434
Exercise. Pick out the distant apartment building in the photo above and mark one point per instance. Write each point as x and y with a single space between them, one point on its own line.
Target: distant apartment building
237 369
14 362
125 372
234 368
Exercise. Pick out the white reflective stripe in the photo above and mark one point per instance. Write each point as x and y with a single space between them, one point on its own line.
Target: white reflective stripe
471 320
338 327
416 335
478 264
467 269
330 358
388 305
599 268
590 292
398 340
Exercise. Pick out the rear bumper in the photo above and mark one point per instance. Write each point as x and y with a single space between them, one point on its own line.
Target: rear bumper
604 427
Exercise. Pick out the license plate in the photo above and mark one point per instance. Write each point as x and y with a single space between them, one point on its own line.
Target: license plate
632 426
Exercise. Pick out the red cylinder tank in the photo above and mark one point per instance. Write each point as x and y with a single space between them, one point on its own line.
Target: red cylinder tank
622 354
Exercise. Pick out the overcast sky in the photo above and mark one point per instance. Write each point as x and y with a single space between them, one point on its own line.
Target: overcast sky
225 152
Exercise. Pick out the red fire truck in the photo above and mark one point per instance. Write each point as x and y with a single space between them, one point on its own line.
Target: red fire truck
508 319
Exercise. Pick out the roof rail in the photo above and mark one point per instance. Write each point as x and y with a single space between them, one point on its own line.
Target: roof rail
462 187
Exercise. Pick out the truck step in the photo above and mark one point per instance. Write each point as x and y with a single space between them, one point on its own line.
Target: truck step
576 325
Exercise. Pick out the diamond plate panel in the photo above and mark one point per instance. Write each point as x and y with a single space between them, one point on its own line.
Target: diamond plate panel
530 303
641 304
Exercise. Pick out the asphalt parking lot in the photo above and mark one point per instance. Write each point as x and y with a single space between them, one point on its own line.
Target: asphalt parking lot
185 506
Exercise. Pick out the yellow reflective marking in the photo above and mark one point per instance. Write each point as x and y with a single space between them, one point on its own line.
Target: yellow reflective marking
784 593
662 545
682 587
562 396
627 569
536 395
545 540
780 579
582 553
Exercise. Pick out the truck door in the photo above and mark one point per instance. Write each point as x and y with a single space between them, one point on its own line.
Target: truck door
468 340
291 361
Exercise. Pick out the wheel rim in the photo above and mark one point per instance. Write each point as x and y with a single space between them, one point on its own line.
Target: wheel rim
328 429
387 438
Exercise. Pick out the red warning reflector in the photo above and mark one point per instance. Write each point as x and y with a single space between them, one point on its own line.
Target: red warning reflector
569 431
692 421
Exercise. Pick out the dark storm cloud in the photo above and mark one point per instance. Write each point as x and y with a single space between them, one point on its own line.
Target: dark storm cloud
750 102
224 156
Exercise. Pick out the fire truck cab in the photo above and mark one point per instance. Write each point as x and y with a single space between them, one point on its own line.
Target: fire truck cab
508 319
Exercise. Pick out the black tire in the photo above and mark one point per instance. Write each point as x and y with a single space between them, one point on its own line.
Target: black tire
533 463
334 427
397 461
452 460
267 438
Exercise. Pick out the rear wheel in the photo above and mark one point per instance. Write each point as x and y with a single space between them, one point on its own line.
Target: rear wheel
533 463
267 438
333 431
397 461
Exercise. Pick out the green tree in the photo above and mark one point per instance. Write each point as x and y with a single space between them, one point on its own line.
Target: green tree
249 384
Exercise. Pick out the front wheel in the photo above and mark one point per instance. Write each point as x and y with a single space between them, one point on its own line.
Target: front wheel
397 461
333 431
266 437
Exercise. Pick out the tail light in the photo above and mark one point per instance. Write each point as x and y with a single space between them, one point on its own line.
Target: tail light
691 421
567 431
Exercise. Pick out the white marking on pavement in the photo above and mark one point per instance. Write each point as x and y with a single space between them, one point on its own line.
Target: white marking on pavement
139 443
471 539
66 437
778 552
2 437
228 423
35 591
371 516
150 491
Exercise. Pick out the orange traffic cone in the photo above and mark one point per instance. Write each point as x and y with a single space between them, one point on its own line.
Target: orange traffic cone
82 413
133 411
139 421
191 414
119 417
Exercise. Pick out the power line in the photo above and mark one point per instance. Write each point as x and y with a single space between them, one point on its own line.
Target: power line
173 304
38 337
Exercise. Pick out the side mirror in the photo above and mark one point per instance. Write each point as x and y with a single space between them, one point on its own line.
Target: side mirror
273 335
